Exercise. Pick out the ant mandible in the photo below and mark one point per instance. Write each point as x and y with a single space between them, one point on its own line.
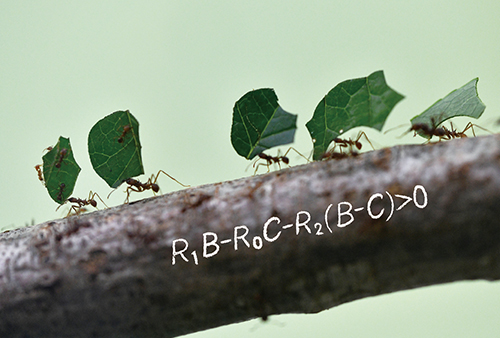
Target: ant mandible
137 186
126 129
269 160
80 203
62 153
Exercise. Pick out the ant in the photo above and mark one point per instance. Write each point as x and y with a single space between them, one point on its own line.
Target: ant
332 155
430 131
137 186
442 132
344 143
38 169
453 133
61 188
49 148
126 129
62 153
274 159
82 202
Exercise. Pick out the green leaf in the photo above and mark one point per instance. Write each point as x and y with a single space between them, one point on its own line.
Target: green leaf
353 103
259 123
463 101
114 148
60 171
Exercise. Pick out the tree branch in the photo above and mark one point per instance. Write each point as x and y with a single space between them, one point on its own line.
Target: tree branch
110 273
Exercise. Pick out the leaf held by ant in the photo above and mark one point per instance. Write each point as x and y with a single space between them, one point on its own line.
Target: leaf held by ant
60 170
115 161
259 123
463 101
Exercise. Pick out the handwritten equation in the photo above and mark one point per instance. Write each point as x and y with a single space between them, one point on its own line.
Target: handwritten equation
345 216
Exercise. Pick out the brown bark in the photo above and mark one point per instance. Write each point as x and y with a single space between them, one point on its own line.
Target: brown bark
110 273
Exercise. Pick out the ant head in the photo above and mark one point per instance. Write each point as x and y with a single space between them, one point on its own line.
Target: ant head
285 159
130 181
93 203
72 200
155 187
358 145
63 152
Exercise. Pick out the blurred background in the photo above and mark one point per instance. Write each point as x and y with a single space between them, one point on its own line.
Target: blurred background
179 67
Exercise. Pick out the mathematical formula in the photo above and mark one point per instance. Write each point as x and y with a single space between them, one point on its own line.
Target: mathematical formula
345 216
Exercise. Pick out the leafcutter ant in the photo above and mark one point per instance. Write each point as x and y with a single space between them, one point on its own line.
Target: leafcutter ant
333 155
453 133
344 143
137 186
126 129
49 148
269 160
38 169
61 189
62 153
81 203
442 132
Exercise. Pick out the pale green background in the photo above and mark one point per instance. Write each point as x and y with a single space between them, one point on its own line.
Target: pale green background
179 66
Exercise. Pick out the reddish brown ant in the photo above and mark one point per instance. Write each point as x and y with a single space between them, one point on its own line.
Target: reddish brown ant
269 160
61 189
81 203
126 129
453 133
49 148
62 153
442 132
38 169
332 155
137 186
344 143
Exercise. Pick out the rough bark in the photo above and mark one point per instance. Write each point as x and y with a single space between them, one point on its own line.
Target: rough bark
110 273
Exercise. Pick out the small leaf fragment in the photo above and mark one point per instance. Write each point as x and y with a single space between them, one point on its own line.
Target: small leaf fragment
463 101
353 103
259 123
60 171
114 148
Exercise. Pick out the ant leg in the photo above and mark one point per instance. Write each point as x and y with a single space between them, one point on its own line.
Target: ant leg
92 195
470 125
362 133
60 205
131 188
292 148
258 165
112 191
161 171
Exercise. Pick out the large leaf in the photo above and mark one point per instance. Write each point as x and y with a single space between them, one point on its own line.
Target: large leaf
259 123
353 103
114 148
60 171
463 101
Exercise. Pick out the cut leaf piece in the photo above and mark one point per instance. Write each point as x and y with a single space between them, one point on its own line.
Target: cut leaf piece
60 171
463 101
259 123
353 103
114 148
